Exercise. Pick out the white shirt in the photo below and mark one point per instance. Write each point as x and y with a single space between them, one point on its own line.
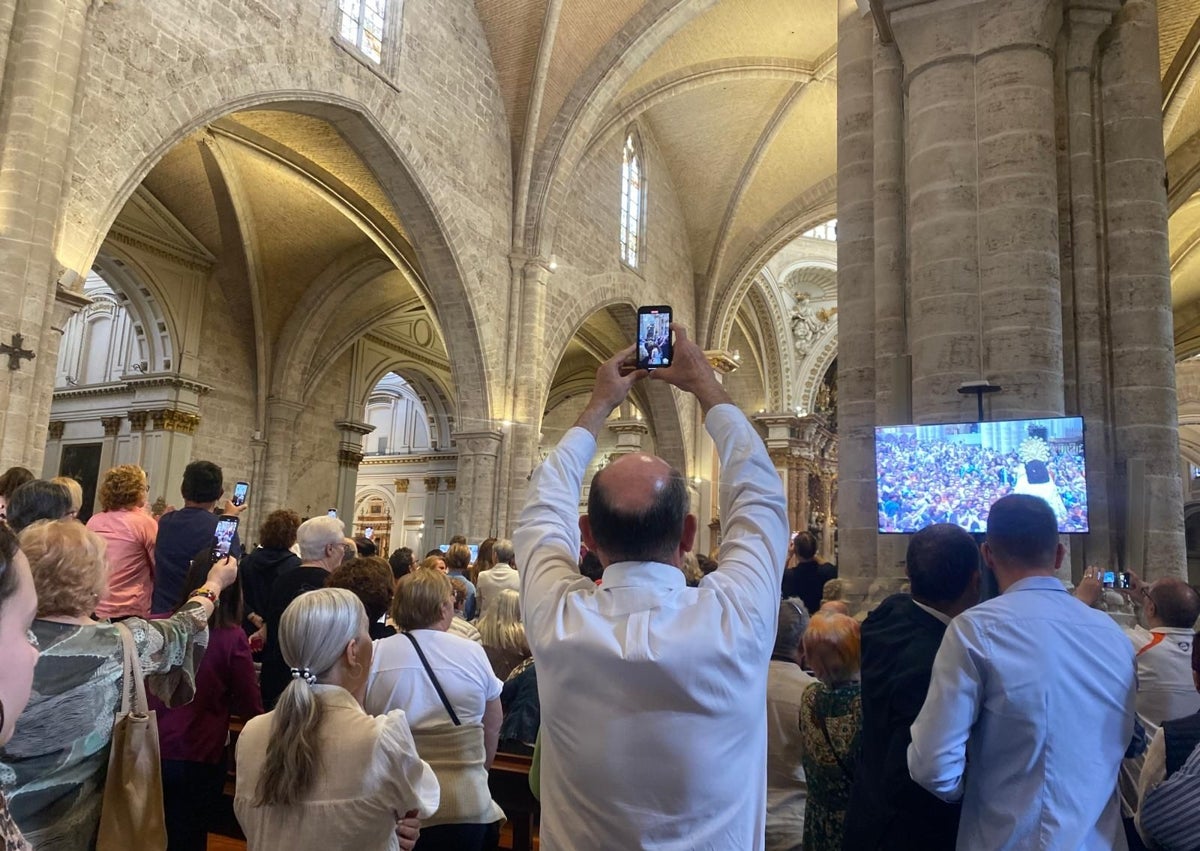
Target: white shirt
1032 699
398 680
653 729
786 788
494 580
368 777
1166 690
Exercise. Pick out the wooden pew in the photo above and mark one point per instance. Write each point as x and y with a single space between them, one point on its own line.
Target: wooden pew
508 780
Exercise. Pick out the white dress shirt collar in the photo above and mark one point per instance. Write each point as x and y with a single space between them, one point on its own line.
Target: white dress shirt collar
642 574
942 616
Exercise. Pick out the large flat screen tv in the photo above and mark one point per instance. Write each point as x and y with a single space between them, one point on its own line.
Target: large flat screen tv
952 473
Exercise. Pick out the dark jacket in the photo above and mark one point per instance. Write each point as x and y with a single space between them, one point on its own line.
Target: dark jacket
259 569
806 581
888 811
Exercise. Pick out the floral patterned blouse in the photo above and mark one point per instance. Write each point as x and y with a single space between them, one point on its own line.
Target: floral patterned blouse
10 837
829 759
54 766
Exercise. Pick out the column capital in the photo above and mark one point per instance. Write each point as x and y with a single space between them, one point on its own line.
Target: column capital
56 429
928 31
352 427
431 483
349 458
137 420
112 425
401 485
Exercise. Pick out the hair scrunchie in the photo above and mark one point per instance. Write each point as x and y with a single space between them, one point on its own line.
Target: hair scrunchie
304 674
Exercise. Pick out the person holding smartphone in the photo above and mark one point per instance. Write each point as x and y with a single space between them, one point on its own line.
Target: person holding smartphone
185 532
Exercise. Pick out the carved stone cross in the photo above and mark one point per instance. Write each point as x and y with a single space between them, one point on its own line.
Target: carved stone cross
15 352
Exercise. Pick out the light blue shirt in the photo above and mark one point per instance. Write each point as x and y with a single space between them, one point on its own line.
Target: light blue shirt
1029 712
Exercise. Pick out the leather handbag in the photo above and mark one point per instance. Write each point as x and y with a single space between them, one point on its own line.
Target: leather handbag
131 813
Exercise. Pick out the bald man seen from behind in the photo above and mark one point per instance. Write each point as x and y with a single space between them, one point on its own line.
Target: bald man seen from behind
653 693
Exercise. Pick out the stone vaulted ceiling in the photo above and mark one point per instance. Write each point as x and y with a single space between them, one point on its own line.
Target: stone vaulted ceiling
738 95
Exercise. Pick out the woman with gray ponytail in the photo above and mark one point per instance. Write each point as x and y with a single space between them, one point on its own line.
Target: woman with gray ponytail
317 771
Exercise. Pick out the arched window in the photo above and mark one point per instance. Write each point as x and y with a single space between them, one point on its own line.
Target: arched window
400 419
825 230
360 23
633 201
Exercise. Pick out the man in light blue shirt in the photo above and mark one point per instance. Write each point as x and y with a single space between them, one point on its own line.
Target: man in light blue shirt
1031 704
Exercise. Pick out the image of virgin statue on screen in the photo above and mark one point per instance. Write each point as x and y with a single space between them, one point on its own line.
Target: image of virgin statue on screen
953 473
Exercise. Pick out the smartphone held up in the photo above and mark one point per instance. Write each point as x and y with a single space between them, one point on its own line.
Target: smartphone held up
654 348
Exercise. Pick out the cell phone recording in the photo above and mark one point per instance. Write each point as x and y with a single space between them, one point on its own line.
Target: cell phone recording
223 537
654 347
240 491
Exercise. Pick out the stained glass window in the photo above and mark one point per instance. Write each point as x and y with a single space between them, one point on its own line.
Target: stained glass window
633 201
360 22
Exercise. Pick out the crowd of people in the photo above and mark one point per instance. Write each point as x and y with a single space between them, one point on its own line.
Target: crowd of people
667 700
944 481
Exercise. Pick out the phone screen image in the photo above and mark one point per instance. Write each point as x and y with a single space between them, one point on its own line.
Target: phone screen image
226 529
369 532
1110 579
1123 581
654 337
332 512
240 491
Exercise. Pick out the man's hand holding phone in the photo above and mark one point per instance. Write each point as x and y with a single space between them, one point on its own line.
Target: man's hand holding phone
692 372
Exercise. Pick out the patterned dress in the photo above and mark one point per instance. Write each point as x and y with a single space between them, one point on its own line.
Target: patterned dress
829 762
56 762
10 837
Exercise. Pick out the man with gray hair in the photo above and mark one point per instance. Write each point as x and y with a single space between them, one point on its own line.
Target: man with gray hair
502 575
321 541
787 790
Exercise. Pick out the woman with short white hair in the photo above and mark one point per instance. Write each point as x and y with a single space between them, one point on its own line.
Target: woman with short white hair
318 771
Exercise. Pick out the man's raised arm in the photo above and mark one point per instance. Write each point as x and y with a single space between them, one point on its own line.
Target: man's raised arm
546 539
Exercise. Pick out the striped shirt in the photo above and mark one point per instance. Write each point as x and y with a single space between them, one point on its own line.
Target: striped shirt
1170 813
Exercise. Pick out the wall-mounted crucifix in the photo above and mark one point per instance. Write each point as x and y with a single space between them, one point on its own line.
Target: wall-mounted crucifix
16 353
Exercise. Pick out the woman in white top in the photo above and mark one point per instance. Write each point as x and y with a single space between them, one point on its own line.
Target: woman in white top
318 772
786 682
495 579
446 686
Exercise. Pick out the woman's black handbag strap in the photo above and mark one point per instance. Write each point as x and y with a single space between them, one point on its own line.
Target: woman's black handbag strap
437 686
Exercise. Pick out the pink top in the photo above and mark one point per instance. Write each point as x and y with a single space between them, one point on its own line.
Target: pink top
130 534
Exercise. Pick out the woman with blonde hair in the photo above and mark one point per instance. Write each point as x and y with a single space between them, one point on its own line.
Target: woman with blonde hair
318 771
503 634
446 686
74 490
830 722
59 755
130 534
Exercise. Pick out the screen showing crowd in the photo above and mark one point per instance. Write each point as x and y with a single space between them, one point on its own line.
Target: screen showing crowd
953 473
653 338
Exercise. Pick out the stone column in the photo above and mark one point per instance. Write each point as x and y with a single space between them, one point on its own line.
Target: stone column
1086 331
529 387
630 433
277 468
108 448
1145 410
476 497
166 449
53 458
37 104
350 455
856 290
429 538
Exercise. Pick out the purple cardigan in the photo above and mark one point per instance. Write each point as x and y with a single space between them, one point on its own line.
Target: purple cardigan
226 684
